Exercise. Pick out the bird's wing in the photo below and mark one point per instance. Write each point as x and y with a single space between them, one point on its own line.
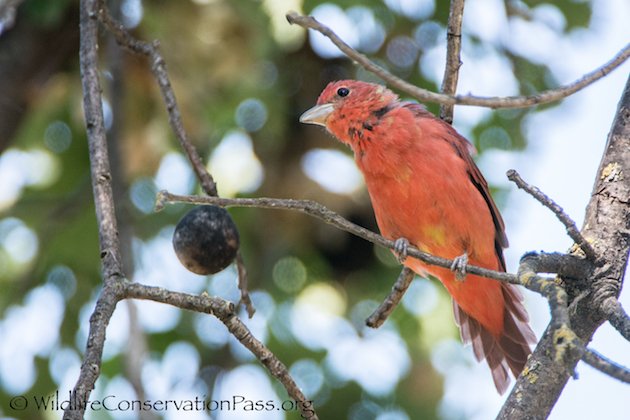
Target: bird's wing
465 150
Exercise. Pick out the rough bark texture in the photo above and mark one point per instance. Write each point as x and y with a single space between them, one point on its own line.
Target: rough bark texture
607 227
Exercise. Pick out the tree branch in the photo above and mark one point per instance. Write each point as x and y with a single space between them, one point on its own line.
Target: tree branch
562 264
158 68
606 223
615 314
607 366
547 96
453 60
392 300
572 230
321 212
566 345
111 261
224 311
242 284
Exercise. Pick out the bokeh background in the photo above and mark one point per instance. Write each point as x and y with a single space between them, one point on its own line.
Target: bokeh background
242 76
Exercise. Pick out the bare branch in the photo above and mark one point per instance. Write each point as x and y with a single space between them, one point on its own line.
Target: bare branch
529 267
560 263
607 366
158 67
453 60
572 230
111 265
547 96
224 311
560 348
242 285
617 316
564 265
321 212
385 309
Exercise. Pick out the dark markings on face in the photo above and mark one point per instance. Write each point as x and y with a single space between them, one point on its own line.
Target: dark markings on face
352 132
368 126
379 113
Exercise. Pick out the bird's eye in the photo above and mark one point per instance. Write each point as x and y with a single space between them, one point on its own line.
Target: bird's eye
343 91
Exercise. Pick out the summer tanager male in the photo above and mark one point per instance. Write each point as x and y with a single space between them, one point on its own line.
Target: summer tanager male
426 189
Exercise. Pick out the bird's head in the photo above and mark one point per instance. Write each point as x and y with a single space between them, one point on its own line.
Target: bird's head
344 104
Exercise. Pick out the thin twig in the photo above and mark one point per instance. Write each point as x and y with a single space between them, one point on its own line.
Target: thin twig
617 316
158 68
225 312
571 227
453 60
607 366
242 285
392 300
321 212
547 96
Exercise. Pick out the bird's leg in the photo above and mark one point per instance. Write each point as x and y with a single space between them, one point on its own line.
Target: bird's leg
459 266
401 246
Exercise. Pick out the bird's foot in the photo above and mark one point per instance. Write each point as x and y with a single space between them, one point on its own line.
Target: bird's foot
401 246
459 266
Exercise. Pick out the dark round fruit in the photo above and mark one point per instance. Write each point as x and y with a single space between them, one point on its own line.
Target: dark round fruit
206 240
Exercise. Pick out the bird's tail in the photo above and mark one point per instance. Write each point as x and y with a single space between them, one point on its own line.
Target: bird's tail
507 351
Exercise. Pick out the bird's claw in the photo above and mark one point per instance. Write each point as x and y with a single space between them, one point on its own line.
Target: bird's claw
401 246
459 266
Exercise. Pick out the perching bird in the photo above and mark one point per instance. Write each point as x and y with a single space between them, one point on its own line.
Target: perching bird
426 189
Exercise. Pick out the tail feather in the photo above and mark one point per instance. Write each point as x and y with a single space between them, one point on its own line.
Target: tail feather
513 300
504 353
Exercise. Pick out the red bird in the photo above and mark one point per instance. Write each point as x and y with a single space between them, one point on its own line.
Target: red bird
426 189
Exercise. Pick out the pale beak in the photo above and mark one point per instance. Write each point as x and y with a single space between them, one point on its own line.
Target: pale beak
317 115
